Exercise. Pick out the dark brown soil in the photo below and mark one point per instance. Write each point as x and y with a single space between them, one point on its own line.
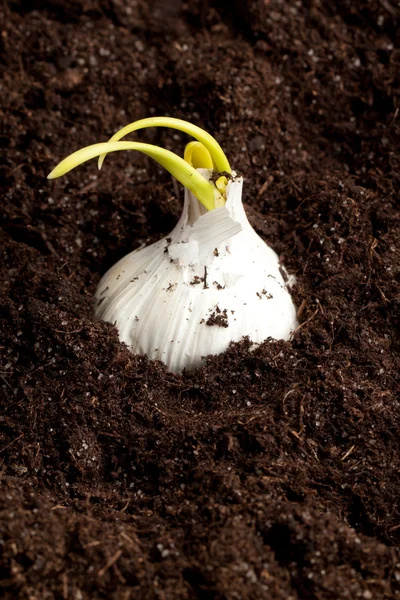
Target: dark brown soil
272 474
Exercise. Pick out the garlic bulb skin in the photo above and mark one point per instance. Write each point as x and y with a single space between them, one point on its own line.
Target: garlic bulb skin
212 281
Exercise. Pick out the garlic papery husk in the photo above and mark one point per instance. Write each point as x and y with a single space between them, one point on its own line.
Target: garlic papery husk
210 282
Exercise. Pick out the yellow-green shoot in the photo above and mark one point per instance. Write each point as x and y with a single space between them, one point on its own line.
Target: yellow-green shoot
204 153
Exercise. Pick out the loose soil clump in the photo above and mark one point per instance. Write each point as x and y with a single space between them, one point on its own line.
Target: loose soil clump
268 474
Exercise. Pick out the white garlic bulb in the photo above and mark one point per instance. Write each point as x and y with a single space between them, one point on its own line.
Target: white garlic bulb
212 281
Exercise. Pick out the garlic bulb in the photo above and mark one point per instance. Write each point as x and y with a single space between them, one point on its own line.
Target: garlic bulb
210 282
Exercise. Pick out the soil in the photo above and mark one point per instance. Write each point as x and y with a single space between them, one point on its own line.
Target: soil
267 474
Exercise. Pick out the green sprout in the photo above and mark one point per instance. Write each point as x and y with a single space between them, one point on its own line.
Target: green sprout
204 153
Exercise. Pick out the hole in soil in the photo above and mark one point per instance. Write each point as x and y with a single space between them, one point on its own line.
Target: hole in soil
379 224
280 539
358 518
250 444
4 141
197 582
294 496
35 99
